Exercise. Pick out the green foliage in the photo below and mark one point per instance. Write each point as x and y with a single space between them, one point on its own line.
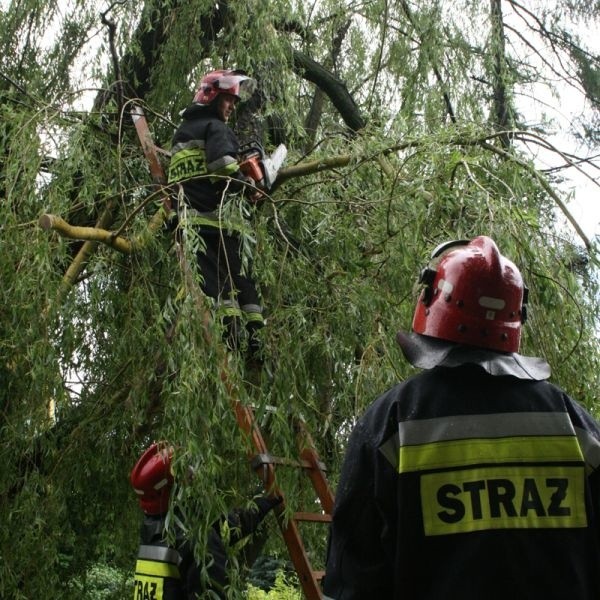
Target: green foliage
103 582
280 591
267 569
97 362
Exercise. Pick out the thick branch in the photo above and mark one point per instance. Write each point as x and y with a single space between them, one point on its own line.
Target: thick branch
95 234
315 166
333 87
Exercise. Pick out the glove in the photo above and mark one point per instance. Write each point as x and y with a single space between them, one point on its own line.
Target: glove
267 503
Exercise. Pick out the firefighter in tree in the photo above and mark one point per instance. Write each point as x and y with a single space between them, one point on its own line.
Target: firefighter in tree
205 170
476 478
170 572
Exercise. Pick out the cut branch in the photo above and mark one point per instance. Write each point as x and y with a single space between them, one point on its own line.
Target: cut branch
92 234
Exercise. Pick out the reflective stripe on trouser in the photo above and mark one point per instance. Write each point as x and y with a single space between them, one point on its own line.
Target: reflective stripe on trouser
194 218
230 308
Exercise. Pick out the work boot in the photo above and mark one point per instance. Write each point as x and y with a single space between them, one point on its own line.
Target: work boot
231 332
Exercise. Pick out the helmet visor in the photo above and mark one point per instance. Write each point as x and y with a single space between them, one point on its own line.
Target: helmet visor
239 85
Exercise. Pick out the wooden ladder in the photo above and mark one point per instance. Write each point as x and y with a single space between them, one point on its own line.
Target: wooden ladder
262 462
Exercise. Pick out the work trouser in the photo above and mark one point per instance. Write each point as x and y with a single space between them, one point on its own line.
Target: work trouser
224 280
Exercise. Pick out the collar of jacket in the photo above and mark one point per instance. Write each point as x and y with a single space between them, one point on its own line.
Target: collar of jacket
426 353
194 111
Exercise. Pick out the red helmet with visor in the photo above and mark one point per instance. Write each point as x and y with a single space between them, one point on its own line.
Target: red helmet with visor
473 296
235 83
152 478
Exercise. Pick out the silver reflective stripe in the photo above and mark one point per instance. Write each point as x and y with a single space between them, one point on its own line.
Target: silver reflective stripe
390 450
252 308
221 163
499 425
160 553
590 447
192 212
187 146
229 303
461 427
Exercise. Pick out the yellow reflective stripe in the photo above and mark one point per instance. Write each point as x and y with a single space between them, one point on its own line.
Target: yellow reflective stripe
191 217
229 311
458 453
254 317
505 497
157 569
240 228
216 176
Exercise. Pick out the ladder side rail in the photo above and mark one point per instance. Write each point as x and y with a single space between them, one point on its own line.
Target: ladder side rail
317 473
308 577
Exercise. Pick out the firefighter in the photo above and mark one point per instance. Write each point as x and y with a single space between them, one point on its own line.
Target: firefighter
170 572
204 168
475 478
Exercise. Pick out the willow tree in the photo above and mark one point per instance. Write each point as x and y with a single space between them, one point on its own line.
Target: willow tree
404 129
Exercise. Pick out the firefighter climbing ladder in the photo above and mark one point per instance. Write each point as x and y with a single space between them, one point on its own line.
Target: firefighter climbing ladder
262 462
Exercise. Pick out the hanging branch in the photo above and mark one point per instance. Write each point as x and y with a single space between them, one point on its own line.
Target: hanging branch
436 72
547 188
501 104
112 31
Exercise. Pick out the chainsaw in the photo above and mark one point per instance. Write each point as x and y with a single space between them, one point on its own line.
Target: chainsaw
258 166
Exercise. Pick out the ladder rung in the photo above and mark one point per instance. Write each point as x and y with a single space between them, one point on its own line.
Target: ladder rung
309 516
260 460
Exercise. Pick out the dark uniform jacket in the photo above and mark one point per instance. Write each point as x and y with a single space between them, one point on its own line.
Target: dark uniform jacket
166 572
460 484
204 155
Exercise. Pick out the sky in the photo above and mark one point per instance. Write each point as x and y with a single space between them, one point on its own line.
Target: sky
564 107
581 187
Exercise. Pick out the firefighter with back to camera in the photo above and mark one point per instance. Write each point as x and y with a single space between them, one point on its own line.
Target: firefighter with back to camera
476 478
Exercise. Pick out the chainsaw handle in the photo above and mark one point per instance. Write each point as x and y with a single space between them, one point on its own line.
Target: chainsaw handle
251 167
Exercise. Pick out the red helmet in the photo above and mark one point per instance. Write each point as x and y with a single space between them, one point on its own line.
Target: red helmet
152 478
235 83
473 296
